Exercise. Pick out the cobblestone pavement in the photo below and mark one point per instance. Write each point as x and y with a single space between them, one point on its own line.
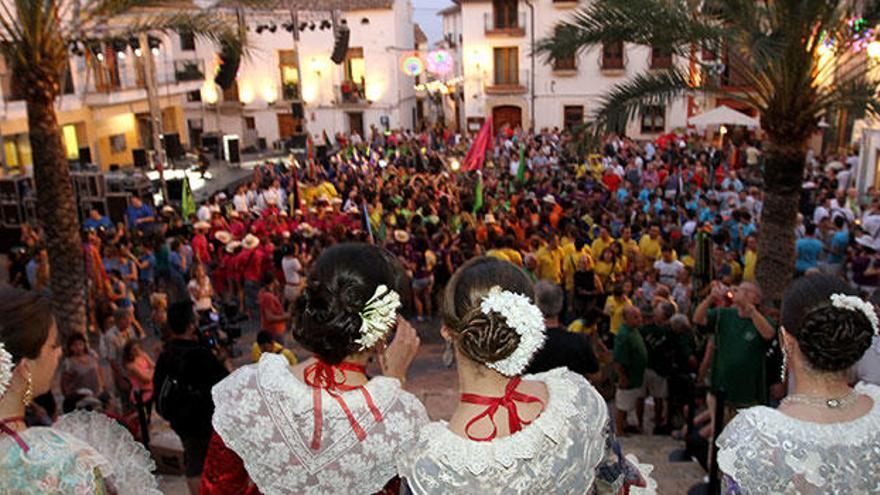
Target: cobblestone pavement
437 387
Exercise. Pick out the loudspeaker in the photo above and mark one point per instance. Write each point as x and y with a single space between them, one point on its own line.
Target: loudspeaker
175 189
298 141
173 149
212 142
340 45
230 58
139 155
85 155
231 145
297 110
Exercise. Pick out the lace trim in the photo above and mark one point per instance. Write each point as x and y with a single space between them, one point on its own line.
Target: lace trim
645 471
461 454
132 464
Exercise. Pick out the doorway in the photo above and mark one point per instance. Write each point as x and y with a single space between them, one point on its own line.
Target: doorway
356 123
506 114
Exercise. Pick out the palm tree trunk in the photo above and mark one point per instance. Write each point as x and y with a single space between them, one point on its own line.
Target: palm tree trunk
783 179
56 210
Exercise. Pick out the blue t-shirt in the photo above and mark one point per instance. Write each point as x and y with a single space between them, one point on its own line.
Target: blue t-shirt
135 214
839 242
92 224
147 274
808 250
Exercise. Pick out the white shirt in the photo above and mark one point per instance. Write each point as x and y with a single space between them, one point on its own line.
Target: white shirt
668 271
689 228
871 223
204 213
291 268
240 202
819 213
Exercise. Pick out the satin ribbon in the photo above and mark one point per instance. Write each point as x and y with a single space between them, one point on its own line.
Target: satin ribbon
12 433
323 376
508 401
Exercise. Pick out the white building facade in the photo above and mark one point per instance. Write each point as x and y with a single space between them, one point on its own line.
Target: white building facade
493 42
368 89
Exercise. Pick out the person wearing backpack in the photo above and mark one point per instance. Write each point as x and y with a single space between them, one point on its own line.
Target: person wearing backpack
185 373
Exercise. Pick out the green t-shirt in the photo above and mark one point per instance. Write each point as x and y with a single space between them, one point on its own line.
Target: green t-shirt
739 358
630 352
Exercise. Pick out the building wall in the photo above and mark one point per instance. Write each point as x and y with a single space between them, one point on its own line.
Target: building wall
553 90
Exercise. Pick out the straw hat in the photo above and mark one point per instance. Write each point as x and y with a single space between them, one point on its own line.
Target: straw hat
232 246
167 210
549 199
233 214
490 218
401 236
250 241
336 201
223 236
201 225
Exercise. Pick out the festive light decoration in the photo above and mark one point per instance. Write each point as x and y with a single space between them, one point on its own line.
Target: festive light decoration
439 62
412 65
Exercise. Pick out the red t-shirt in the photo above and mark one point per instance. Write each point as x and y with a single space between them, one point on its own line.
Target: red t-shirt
200 248
249 263
269 303
612 181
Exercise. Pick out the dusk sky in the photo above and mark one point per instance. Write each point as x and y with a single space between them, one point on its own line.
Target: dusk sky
425 14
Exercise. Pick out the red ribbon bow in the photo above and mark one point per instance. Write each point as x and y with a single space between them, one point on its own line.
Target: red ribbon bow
323 376
508 401
4 428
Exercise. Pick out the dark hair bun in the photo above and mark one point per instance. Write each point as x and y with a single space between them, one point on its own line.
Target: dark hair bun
481 337
831 339
487 338
341 282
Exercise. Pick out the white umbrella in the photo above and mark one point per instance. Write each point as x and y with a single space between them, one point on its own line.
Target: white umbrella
723 115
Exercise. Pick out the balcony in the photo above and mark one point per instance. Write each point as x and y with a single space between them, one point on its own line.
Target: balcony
189 70
352 93
518 84
500 25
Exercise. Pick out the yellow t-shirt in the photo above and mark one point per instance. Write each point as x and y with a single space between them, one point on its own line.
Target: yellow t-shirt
689 261
614 309
578 326
257 353
600 245
571 261
506 254
750 261
550 264
627 246
650 248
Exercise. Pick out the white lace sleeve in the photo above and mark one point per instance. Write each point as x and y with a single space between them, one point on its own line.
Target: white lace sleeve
132 472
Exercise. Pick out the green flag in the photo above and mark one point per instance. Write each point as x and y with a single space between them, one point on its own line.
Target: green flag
478 195
521 170
187 204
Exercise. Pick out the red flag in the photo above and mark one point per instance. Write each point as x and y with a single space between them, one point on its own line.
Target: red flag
476 156
297 204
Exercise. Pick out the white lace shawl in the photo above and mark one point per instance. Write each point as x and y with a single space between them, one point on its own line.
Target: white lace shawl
764 451
81 453
264 414
557 453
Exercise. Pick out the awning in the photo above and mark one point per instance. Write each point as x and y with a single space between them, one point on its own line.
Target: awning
723 115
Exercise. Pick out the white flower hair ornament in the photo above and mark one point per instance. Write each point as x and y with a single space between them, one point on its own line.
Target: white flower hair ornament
526 320
378 316
855 303
6 366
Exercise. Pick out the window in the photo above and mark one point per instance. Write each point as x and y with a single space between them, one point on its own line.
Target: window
231 94
654 119
194 96
250 123
661 58
572 116
506 66
612 55
289 74
353 87
565 63
505 14
187 41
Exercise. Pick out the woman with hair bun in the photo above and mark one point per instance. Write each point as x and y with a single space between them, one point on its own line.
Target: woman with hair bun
323 426
824 437
83 452
543 433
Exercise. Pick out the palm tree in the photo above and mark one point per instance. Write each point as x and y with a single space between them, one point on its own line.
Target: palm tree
801 60
35 36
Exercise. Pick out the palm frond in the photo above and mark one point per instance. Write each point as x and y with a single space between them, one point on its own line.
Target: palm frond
630 98
666 24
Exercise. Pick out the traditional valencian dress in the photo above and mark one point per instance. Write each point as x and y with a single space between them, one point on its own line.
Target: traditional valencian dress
84 453
276 434
568 448
764 451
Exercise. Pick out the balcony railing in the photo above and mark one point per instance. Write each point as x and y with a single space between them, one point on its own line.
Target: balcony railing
189 70
509 85
505 25
290 91
351 92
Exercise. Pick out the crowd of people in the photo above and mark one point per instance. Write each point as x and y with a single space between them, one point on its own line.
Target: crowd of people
633 268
